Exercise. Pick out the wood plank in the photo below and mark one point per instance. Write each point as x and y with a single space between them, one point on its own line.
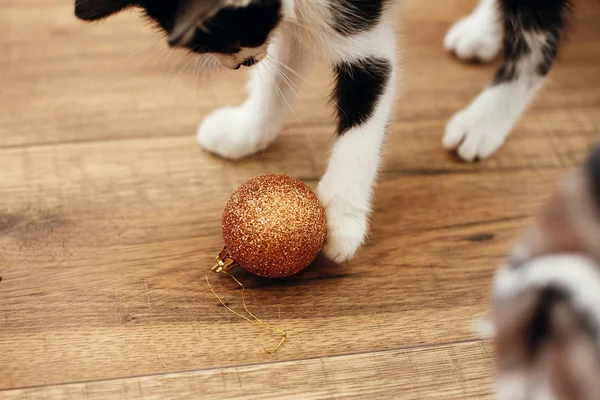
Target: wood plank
459 371
110 214
104 247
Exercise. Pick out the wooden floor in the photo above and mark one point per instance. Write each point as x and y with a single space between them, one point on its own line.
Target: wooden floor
110 215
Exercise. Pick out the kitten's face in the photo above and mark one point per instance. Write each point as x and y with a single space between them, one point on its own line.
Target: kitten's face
236 32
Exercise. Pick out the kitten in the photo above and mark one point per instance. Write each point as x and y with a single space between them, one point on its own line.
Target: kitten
546 299
530 32
356 38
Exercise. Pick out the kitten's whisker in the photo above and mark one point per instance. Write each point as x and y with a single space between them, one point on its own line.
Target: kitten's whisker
197 74
304 79
214 89
289 82
295 89
267 133
314 22
169 53
186 64
286 101
139 63
281 63
122 58
309 141
327 96
162 54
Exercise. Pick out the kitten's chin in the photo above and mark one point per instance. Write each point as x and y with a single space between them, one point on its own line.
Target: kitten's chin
246 57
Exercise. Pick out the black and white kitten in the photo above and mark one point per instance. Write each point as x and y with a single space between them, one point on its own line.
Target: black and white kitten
356 38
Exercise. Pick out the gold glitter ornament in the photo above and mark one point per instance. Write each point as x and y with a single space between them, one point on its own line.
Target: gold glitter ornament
273 226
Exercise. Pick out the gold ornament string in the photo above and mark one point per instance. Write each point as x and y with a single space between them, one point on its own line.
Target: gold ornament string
257 321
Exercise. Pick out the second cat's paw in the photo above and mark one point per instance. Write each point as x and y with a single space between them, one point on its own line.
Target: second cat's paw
474 38
232 133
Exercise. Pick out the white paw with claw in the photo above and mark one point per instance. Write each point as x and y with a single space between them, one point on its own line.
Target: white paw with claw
476 37
233 133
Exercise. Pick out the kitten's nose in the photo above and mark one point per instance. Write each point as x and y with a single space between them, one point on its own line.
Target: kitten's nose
248 62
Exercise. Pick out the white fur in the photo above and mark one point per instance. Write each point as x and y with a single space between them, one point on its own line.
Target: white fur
346 188
484 328
481 128
578 275
477 36
522 386
506 282
512 386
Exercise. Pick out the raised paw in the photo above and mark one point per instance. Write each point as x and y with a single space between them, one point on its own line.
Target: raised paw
474 38
479 130
233 133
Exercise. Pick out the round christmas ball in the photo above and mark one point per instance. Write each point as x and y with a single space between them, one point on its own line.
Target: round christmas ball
274 226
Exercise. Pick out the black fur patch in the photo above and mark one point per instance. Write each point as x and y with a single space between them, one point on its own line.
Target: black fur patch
515 47
549 53
593 171
227 32
234 28
506 73
530 16
540 327
536 15
358 89
160 11
351 17
89 10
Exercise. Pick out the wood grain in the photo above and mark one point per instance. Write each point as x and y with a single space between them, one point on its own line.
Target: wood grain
457 371
110 216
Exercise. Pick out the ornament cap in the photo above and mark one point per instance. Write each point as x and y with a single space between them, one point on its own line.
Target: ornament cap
224 262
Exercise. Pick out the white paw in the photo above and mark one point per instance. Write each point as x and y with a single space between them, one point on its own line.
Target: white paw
345 234
476 37
233 133
481 128
346 228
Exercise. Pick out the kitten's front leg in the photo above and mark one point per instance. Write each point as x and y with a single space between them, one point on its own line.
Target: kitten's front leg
365 97
236 132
